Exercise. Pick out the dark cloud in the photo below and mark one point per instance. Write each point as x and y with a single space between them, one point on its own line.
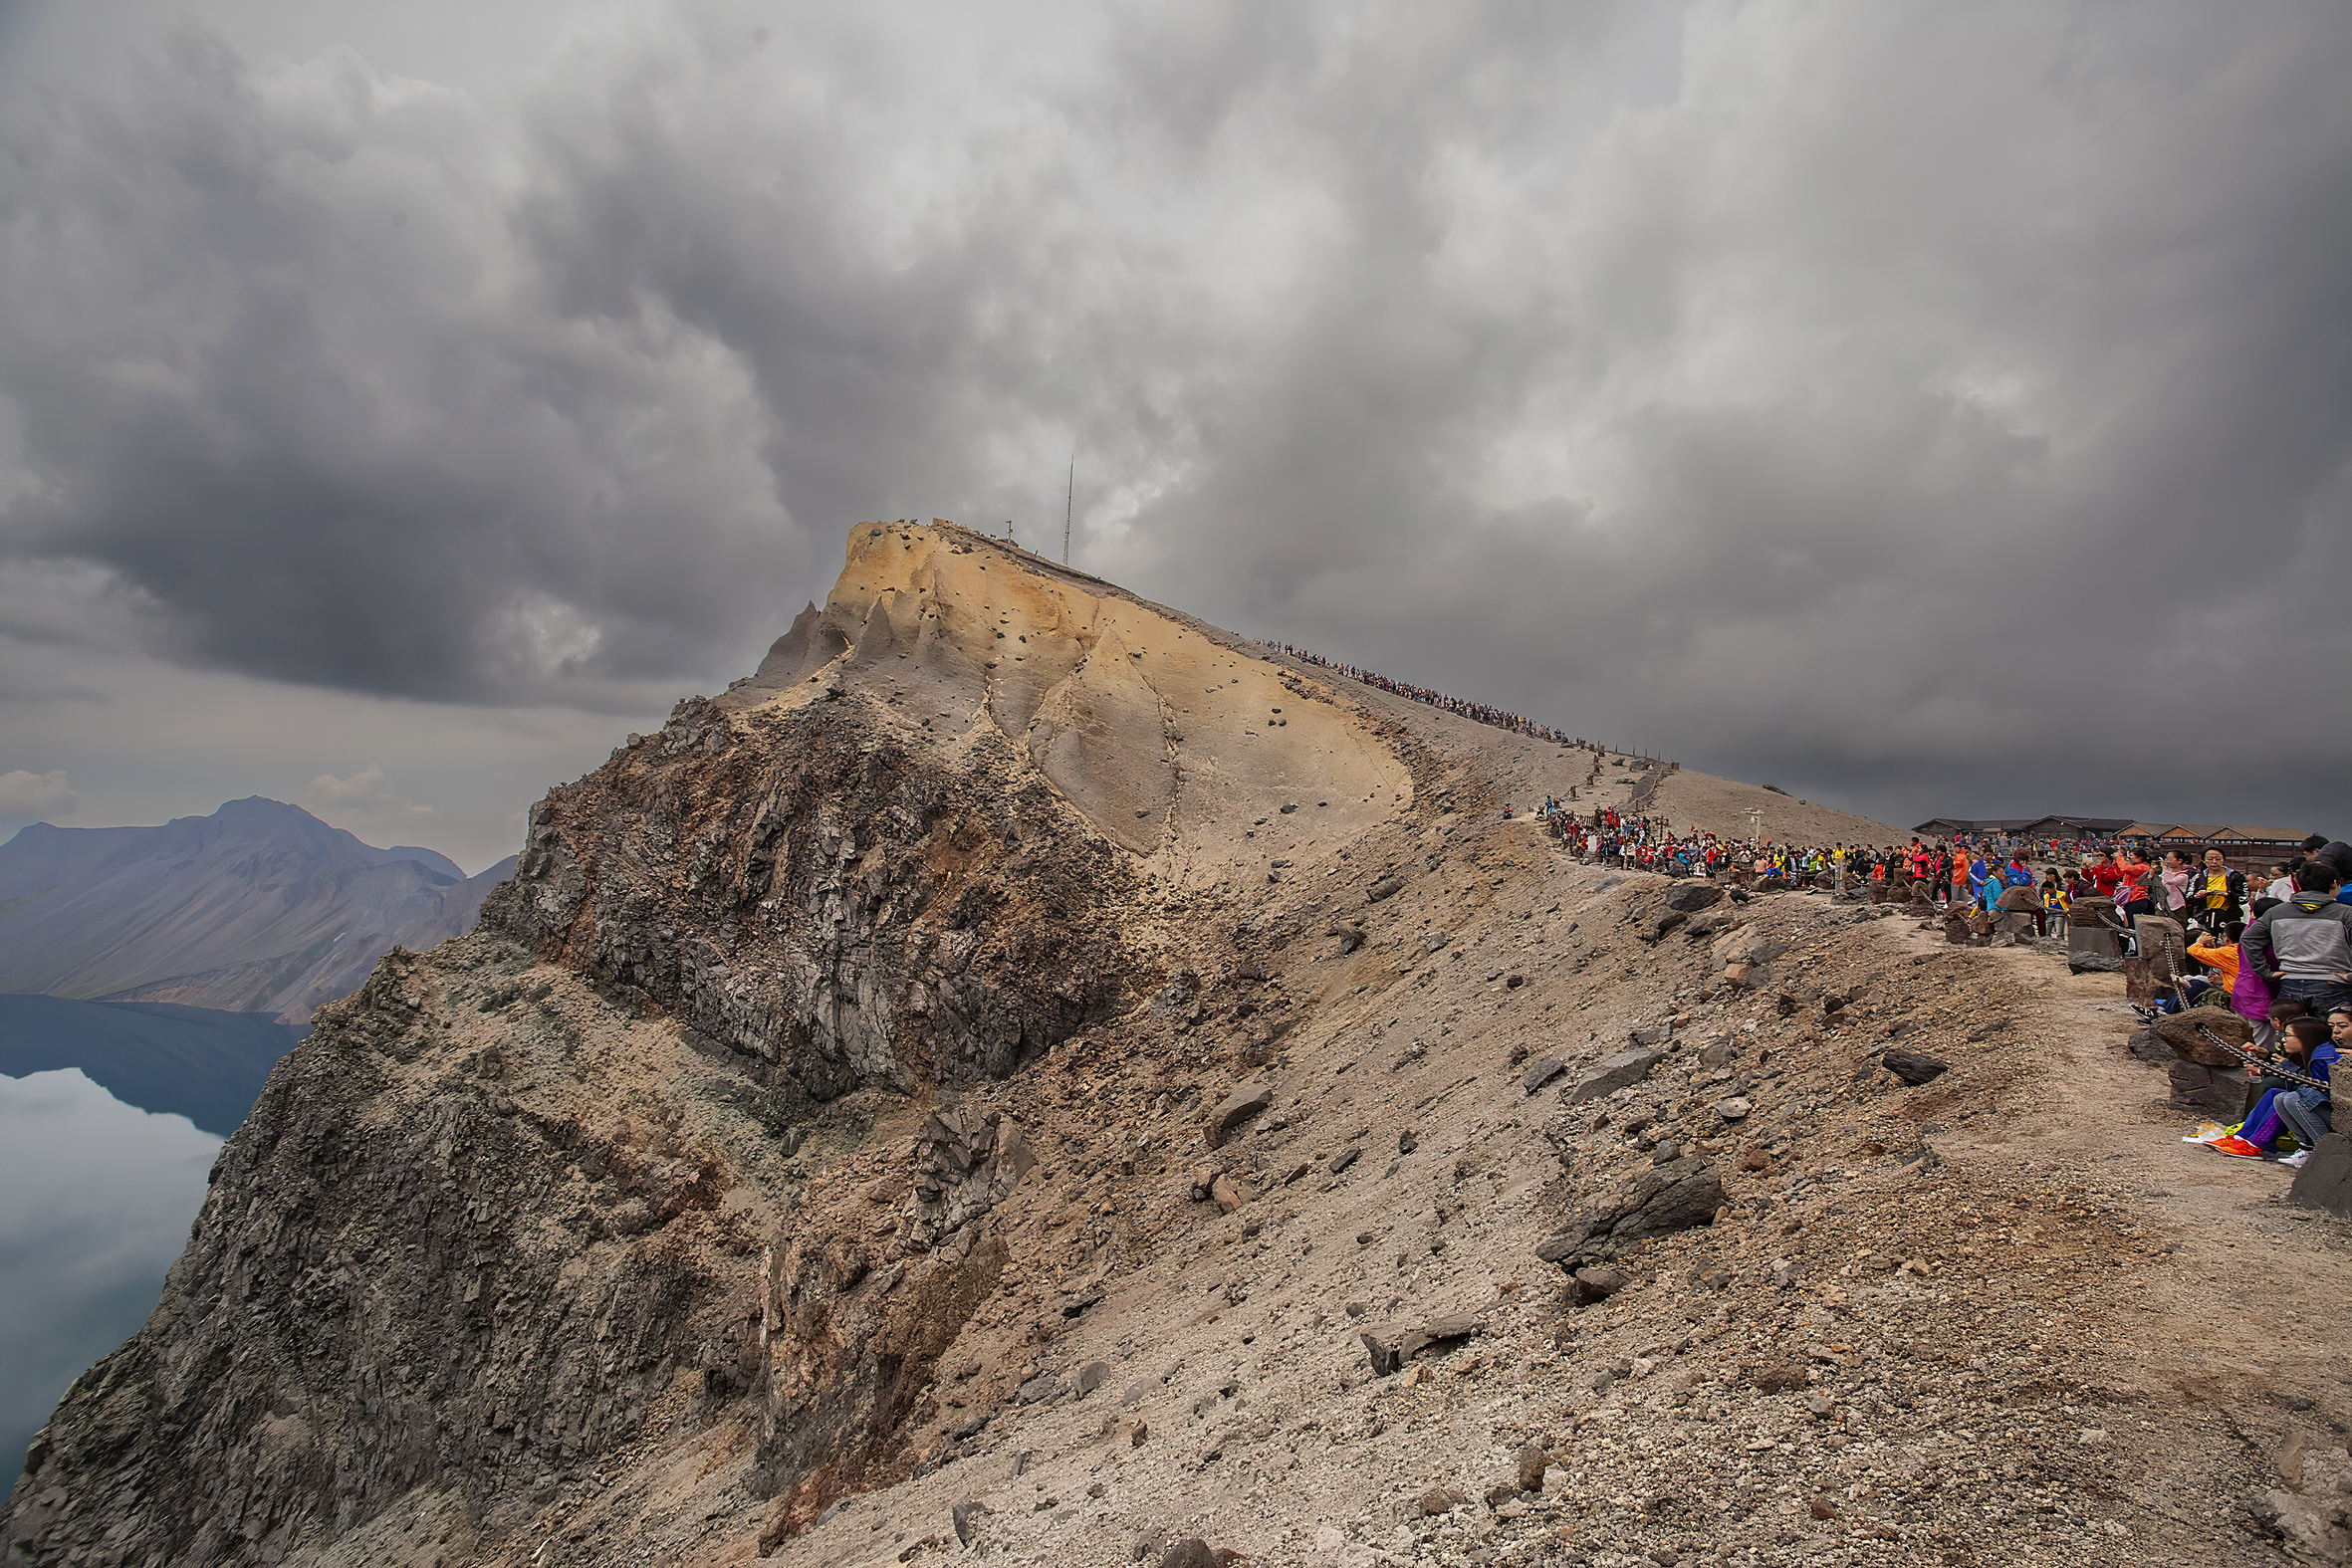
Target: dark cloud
1928 409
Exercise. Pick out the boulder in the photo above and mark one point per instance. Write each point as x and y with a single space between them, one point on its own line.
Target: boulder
2085 961
2325 1181
1661 1200
2164 945
2219 1094
1745 945
2185 1033
1246 1103
1613 1073
1192 1552
1533 1462
1542 1074
1386 887
1451 1329
1691 897
1914 1067
1589 1286
1438 1334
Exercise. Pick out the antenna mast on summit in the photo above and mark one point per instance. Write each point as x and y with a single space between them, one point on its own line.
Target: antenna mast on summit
1068 500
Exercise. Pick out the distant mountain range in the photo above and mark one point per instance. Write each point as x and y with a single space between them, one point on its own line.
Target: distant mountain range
258 907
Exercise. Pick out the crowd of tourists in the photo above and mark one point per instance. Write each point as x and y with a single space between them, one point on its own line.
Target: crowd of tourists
2276 951
1500 718
2280 959
1650 843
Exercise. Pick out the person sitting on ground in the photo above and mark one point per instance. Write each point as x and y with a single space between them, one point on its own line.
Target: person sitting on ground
2220 957
2303 947
2285 1104
2269 1037
2310 1113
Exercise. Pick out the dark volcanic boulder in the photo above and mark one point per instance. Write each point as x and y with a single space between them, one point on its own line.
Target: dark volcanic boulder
2187 1035
1691 897
1673 1197
2219 1094
1914 1067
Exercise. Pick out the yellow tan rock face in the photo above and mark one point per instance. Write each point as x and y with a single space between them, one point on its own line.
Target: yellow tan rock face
1169 736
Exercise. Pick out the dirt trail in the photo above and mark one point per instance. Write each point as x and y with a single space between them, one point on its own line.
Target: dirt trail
2240 1318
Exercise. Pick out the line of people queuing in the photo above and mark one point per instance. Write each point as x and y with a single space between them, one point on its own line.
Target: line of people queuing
1647 843
1501 718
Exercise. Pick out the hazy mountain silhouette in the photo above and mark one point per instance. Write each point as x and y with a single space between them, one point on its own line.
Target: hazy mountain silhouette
258 907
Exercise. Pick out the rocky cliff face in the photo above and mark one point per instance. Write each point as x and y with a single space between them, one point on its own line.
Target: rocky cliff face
816 893
527 1198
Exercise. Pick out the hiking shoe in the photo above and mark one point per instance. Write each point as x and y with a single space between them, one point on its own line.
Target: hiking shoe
2295 1161
2237 1146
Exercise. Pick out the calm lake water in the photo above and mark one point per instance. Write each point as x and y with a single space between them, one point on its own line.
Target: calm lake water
96 1200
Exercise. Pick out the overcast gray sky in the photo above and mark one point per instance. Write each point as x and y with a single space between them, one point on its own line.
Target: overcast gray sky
1924 408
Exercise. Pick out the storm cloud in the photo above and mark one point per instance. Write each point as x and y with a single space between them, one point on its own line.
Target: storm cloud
1925 409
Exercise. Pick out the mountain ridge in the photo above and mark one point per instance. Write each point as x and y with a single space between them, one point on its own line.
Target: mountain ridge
256 907
1027 1075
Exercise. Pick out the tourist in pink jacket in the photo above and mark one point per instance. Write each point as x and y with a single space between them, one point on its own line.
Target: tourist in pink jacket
2249 994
